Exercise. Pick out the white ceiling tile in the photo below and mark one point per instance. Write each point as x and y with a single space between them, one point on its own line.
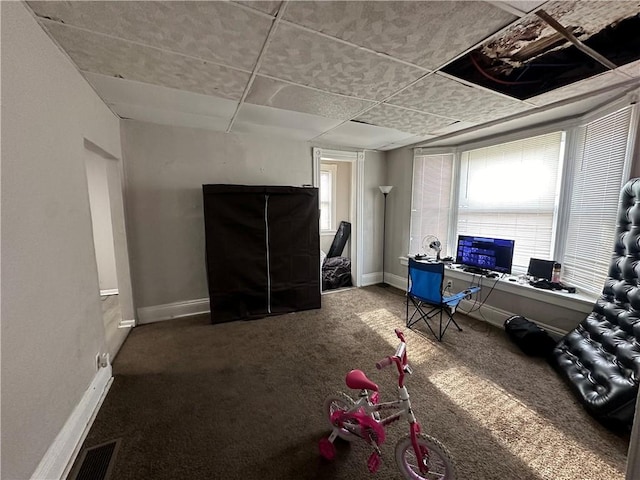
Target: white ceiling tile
404 120
108 56
424 33
524 5
539 116
360 135
301 126
442 96
217 31
587 85
270 7
169 117
632 69
405 142
129 92
309 59
273 93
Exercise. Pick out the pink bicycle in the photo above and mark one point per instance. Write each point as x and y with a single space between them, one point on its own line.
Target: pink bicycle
418 456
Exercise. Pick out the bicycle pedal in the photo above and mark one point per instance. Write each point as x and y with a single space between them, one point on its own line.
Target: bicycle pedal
374 462
408 369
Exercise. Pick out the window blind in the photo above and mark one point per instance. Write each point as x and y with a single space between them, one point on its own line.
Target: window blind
431 201
511 191
599 167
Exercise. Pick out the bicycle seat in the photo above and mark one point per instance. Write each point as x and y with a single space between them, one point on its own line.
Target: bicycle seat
357 380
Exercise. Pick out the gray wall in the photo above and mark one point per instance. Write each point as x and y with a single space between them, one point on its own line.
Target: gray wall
400 175
375 173
51 318
165 170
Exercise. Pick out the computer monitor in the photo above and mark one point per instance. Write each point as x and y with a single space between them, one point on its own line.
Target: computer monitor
485 253
542 269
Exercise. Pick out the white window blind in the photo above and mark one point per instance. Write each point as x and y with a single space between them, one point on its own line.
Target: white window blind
431 201
511 191
599 167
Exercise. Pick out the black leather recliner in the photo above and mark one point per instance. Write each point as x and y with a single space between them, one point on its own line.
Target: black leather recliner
600 358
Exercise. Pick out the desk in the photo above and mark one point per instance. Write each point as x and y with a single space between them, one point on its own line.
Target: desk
554 310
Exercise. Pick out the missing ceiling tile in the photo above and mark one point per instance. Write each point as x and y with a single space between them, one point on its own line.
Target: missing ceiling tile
529 60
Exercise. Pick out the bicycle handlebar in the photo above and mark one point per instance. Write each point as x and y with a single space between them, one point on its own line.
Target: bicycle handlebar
399 358
385 362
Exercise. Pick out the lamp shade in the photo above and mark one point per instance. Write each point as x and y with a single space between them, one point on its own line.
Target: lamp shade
385 188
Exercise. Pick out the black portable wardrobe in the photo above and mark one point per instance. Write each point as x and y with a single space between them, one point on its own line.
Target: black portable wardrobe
262 250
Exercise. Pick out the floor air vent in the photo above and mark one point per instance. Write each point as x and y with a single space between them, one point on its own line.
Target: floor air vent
96 463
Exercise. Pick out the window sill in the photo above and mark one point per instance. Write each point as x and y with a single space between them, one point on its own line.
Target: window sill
578 301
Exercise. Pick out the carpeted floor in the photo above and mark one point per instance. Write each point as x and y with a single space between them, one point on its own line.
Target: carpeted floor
243 400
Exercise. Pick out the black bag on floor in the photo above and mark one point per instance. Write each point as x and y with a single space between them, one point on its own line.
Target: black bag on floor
531 339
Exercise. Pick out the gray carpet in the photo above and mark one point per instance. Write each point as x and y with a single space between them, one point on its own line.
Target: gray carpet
243 400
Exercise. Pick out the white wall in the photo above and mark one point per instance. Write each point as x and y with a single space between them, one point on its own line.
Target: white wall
51 318
100 204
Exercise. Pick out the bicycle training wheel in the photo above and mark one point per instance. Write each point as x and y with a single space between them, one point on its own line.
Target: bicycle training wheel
437 459
335 402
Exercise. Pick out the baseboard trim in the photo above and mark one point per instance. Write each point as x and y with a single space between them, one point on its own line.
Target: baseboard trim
396 281
111 291
497 316
59 458
376 278
169 311
370 279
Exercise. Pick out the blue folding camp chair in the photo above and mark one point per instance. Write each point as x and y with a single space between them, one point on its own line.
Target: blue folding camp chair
425 291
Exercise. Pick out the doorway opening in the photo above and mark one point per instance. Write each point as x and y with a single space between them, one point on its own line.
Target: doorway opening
338 175
104 186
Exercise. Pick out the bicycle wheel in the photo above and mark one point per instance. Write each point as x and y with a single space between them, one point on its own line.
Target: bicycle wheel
335 402
437 459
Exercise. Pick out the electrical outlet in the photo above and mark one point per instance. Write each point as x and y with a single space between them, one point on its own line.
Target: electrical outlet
449 283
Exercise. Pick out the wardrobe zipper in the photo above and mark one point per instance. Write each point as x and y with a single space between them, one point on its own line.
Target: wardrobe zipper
266 225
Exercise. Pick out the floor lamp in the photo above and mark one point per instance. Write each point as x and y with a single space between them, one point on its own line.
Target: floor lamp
385 189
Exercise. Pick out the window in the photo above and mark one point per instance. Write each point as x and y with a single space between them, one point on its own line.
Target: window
431 201
328 197
511 191
598 175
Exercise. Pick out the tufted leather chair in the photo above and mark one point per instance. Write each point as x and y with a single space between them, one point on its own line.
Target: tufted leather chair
600 358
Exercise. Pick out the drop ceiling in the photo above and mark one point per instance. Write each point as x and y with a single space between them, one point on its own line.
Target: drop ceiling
359 74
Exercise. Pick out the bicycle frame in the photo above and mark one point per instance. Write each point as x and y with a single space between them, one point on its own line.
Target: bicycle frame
363 418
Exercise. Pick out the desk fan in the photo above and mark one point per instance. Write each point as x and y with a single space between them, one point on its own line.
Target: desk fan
431 242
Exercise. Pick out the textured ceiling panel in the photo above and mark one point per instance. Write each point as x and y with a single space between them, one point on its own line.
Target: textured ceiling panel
129 92
99 54
270 7
405 142
587 85
404 120
442 96
424 33
265 120
273 93
525 5
360 135
309 59
169 117
632 69
216 31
